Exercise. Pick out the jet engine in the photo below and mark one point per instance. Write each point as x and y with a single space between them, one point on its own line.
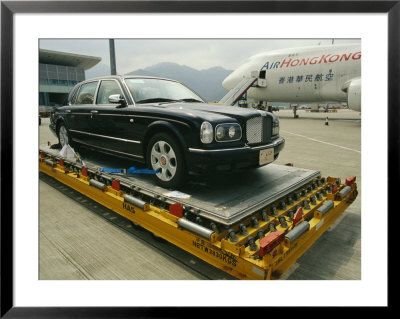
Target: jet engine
354 94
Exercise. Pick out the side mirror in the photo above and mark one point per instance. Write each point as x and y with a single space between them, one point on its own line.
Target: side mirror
117 99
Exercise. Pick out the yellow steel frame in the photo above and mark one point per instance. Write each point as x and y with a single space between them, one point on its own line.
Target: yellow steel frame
232 257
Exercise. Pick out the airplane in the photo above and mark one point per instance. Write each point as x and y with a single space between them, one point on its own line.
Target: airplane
314 74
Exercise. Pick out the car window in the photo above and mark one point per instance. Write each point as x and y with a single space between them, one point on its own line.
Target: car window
153 90
73 95
106 89
86 93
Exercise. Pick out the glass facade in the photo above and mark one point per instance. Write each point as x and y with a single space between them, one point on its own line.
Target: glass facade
56 81
60 75
59 72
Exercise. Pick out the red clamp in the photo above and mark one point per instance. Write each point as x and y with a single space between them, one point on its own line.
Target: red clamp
176 209
297 216
84 171
350 180
115 184
270 241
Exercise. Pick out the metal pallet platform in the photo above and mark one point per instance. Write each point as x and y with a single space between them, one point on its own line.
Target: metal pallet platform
260 237
225 199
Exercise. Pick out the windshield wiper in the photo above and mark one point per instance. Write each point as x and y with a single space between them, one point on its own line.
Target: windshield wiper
156 99
191 100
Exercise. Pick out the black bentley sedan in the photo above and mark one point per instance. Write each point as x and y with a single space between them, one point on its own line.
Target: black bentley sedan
166 125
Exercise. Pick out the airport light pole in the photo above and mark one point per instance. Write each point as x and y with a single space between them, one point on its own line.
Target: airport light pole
112 57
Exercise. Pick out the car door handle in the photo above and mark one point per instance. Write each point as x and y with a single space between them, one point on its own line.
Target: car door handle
68 111
94 111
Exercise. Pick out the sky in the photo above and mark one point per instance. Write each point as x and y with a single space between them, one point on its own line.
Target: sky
200 54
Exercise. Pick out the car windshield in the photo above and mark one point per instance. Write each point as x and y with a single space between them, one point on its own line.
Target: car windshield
156 90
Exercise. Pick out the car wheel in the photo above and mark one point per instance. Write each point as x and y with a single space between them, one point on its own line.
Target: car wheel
164 155
63 135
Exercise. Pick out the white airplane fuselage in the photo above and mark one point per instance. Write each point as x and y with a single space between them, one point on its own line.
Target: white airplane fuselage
308 75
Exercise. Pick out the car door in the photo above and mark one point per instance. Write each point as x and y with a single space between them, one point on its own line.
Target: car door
113 124
80 113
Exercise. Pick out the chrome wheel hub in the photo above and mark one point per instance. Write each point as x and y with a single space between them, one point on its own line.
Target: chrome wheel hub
163 160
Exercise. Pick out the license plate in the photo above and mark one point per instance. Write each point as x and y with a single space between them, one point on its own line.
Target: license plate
266 156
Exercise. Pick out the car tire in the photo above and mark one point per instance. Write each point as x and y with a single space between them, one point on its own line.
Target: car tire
63 135
164 153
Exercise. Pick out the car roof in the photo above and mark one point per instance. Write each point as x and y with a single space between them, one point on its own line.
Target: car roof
127 77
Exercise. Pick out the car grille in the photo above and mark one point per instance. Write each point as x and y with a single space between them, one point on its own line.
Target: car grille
259 129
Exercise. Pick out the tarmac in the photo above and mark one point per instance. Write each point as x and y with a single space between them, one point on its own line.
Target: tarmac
79 241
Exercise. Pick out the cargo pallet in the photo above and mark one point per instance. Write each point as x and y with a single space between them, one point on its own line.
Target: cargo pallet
261 245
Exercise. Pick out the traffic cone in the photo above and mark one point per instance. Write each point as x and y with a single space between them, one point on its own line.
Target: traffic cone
326 121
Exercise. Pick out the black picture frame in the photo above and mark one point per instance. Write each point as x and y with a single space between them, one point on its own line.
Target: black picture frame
9 8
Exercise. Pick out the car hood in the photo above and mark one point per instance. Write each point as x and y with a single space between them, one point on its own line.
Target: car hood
212 111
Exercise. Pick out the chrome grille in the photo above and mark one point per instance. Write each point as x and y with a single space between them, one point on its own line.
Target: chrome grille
258 129
254 130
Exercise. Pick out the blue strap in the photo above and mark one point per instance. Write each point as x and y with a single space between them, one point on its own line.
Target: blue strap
134 170
131 170
111 170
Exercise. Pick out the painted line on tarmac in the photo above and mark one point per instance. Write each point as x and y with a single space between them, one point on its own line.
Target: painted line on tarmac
315 140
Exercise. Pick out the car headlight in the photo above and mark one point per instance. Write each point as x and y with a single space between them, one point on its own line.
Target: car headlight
228 132
206 133
275 127
219 133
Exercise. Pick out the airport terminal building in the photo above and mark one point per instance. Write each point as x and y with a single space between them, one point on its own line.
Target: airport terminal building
58 73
